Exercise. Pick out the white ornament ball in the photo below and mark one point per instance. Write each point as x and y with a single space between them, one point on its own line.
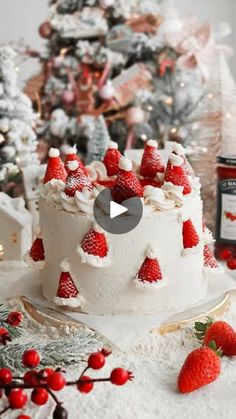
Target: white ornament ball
135 116
68 97
104 4
8 152
107 91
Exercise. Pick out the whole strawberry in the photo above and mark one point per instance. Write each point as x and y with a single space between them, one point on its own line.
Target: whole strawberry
219 332
112 158
201 367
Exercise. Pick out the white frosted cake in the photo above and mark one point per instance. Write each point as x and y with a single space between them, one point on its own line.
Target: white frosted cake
161 264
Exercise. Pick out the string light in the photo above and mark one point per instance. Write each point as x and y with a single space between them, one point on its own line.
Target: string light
17 69
210 96
150 108
182 84
173 130
169 101
228 115
1 252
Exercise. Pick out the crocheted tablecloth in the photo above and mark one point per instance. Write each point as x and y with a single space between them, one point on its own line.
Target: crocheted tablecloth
155 362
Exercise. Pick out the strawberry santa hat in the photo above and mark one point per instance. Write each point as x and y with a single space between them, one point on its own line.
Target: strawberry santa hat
150 275
176 173
180 151
191 239
112 158
67 292
35 257
76 179
127 184
71 155
93 249
210 262
152 162
55 167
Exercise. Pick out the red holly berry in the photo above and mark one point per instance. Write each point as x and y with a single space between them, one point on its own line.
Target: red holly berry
23 417
85 387
5 376
56 381
201 367
14 318
4 336
31 378
222 334
119 376
17 398
96 361
44 374
39 396
231 263
225 254
31 358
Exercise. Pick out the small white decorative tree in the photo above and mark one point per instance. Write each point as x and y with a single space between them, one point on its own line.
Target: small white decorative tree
17 137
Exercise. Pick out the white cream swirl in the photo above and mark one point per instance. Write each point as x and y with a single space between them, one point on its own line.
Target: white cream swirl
157 198
97 171
53 192
174 193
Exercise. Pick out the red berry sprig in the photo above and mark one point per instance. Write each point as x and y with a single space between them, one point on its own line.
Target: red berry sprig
13 320
43 383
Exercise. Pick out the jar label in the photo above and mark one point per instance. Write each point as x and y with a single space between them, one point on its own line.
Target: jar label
227 210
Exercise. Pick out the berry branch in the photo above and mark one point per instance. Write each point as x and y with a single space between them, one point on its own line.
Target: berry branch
44 383
9 325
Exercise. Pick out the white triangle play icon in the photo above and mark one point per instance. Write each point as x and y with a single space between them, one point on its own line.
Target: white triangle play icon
116 209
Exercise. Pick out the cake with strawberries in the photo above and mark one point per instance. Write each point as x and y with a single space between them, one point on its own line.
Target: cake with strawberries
162 264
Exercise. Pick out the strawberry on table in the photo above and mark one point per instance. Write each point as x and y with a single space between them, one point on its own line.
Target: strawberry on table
201 367
219 332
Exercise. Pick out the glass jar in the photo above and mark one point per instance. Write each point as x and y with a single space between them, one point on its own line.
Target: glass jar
226 204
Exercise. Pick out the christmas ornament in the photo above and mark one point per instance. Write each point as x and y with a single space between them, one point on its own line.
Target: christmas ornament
68 97
135 116
48 381
104 4
107 92
46 30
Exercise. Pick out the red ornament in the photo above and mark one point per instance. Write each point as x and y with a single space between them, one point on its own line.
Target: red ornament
46 30
31 378
225 254
84 387
56 381
166 64
14 318
231 264
39 396
96 361
119 376
4 336
5 376
17 398
31 358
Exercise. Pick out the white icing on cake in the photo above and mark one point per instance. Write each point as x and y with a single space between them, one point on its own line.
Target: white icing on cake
150 286
67 302
97 171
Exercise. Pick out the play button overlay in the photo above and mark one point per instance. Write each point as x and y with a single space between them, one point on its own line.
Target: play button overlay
117 218
116 209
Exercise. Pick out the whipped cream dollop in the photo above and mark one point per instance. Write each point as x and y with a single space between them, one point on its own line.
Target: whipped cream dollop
157 198
53 192
97 171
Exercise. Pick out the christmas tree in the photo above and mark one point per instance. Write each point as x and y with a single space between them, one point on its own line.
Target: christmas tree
120 59
17 137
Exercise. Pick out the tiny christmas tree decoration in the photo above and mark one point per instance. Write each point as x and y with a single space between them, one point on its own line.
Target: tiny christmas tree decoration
191 240
176 173
94 249
99 139
150 275
18 140
127 184
76 179
152 162
112 158
41 384
67 293
35 257
55 167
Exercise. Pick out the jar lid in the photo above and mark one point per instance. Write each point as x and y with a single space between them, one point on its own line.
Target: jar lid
229 160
